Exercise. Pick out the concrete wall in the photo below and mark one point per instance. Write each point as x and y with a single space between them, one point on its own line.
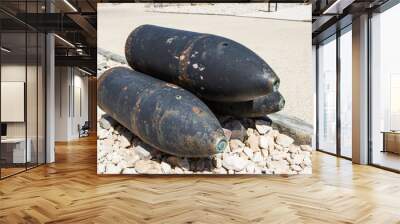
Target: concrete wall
61 103
71 102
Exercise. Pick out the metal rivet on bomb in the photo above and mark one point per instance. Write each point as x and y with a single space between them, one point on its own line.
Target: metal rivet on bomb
213 67
261 106
163 115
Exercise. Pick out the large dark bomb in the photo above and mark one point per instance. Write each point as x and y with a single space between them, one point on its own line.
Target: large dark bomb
258 107
163 115
212 67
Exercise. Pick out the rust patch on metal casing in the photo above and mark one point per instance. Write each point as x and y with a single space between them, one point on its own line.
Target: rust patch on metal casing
149 108
210 66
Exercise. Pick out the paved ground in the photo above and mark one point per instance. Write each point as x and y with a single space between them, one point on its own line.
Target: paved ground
285 45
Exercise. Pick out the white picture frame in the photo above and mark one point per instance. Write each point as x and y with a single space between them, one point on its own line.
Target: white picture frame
12 101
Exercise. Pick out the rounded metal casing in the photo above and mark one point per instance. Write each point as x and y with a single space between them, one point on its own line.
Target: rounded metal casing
210 66
163 115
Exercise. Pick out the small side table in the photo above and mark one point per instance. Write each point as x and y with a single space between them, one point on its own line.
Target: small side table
17 153
391 141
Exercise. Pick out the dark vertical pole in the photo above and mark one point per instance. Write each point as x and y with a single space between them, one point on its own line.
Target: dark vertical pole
369 96
37 89
73 91
317 97
89 102
60 86
338 81
26 86
69 94
45 90
384 141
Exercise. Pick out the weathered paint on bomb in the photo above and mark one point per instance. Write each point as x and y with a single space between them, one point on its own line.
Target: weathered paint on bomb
210 66
258 107
163 115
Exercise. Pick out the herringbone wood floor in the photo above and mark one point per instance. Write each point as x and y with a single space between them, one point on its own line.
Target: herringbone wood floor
69 191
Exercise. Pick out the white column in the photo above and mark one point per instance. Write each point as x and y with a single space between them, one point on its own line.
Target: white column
314 74
50 99
360 90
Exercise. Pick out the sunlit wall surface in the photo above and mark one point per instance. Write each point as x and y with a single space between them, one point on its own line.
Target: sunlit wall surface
327 96
346 92
385 89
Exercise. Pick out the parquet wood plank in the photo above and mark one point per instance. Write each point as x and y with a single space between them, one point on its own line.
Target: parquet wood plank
70 191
